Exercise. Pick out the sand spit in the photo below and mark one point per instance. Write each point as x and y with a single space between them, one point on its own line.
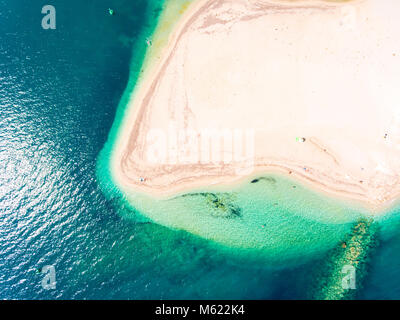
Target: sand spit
245 87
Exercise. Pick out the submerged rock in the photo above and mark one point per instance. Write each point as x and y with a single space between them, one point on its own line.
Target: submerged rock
342 275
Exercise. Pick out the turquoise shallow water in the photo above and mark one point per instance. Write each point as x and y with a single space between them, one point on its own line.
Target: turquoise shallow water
59 92
275 217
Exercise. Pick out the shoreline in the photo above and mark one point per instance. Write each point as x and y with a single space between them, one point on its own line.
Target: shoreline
180 179
226 183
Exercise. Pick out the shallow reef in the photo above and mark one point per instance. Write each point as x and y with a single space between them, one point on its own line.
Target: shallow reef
351 255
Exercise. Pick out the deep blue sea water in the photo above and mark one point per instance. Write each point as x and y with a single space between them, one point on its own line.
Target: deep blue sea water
59 91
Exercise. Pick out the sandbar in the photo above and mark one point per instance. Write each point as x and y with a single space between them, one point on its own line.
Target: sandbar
244 87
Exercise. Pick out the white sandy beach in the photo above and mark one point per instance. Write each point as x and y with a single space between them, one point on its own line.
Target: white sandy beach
306 88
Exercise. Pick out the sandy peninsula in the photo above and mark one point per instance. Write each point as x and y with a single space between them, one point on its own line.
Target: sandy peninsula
246 87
